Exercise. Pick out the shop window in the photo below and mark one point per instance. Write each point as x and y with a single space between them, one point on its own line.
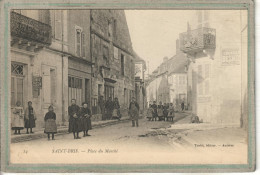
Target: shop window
75 89
109 92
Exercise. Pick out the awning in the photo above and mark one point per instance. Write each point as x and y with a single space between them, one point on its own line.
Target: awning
110 80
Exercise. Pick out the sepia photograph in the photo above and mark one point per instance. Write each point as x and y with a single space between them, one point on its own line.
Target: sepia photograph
117 88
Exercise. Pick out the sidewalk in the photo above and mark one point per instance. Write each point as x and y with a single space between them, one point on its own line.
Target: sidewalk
39 133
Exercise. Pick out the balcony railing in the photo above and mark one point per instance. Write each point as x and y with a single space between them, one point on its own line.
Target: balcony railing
197 40
30 29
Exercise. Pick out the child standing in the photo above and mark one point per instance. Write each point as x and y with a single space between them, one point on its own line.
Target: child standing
170 112
160 112
150 113
29 118
50 123
17 118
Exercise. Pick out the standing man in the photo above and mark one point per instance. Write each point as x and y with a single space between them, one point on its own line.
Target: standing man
116 111
109 108
134 112
101 104
182 106
154 106
74 121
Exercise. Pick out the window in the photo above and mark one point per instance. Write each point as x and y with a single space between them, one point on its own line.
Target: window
115 28
75 89
122 64
109 29
94 106
17 71
99 89
16 90
105 54
53 85
56 23
78 42
116 53
125 96
83 45
109 92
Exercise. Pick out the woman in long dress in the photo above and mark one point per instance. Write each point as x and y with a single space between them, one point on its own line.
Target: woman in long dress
85 114
50 123
29 117
17 118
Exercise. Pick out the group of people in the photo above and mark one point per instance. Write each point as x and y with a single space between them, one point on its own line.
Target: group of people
26 119
109 109
23 119
79 117
162 112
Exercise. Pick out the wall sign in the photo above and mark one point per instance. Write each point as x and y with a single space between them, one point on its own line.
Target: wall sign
230 56
139 70
37 82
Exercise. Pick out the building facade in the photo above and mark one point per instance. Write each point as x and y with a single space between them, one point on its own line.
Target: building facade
38 65
112 55
168 83
79 62
59 55
213 48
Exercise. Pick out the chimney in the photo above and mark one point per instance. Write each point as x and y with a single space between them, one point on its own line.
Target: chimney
165 59
177 46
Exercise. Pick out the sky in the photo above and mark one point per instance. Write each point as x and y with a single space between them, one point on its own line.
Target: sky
154 33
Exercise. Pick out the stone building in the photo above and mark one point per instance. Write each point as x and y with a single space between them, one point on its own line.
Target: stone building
140 92
38 65
213 46
59 55
168 83
112 55
79 62
177 78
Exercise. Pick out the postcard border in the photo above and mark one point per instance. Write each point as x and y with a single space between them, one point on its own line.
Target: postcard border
131 167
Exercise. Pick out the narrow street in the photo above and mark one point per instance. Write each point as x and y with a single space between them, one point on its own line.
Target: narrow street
151 142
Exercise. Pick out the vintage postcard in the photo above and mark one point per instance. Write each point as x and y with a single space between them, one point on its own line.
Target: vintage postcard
127 86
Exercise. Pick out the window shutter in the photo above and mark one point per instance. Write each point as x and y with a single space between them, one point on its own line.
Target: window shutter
83 49
58 27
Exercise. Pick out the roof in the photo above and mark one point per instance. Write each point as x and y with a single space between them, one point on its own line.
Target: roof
137 59
178 63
